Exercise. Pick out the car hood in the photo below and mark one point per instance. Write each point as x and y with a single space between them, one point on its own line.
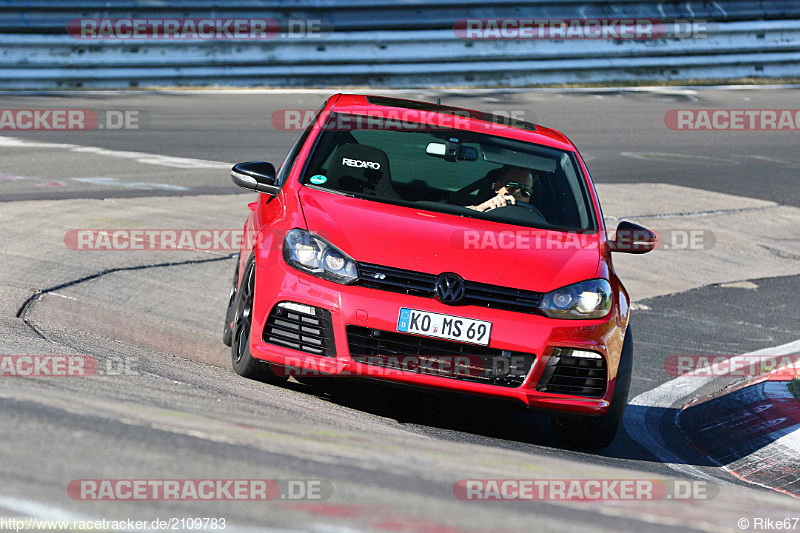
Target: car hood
424 241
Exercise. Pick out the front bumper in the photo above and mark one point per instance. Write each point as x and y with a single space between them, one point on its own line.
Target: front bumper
370 308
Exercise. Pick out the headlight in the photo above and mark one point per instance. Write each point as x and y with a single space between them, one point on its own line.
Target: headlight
313 255
586 299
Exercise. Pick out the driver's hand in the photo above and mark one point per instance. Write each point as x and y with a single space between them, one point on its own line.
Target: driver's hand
498 201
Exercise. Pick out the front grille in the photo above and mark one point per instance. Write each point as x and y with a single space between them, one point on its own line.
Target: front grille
420 284
497 297
396 280
310 333
578 376
423 355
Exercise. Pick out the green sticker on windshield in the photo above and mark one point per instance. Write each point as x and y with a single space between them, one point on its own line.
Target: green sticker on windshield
318 179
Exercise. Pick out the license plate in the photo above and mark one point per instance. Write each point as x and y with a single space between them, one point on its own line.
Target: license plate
454 328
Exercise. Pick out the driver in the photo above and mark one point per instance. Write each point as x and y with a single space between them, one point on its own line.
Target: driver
515 185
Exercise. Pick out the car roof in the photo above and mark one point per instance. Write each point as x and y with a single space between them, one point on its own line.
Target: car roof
474 120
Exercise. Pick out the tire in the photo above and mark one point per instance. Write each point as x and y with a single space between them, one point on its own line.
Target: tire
599 431
242 360
227 332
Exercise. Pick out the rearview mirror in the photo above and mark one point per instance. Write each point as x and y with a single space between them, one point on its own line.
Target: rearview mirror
256 176
633 239
460 153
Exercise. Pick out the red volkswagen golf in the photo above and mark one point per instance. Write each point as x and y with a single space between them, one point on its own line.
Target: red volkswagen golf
439 247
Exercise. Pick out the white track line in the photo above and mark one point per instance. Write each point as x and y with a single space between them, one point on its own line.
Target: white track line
642 425
140 157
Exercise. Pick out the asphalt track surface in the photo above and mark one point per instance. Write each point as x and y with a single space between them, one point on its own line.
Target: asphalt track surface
603 125
391 455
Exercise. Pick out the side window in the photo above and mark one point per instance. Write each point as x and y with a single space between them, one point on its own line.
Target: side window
288 163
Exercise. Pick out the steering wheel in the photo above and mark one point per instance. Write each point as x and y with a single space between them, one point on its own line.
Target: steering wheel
533 214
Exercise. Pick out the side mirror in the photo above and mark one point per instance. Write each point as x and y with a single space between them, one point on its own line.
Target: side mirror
633 239
255 176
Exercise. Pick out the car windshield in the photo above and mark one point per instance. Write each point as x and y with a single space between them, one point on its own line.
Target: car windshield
451 171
